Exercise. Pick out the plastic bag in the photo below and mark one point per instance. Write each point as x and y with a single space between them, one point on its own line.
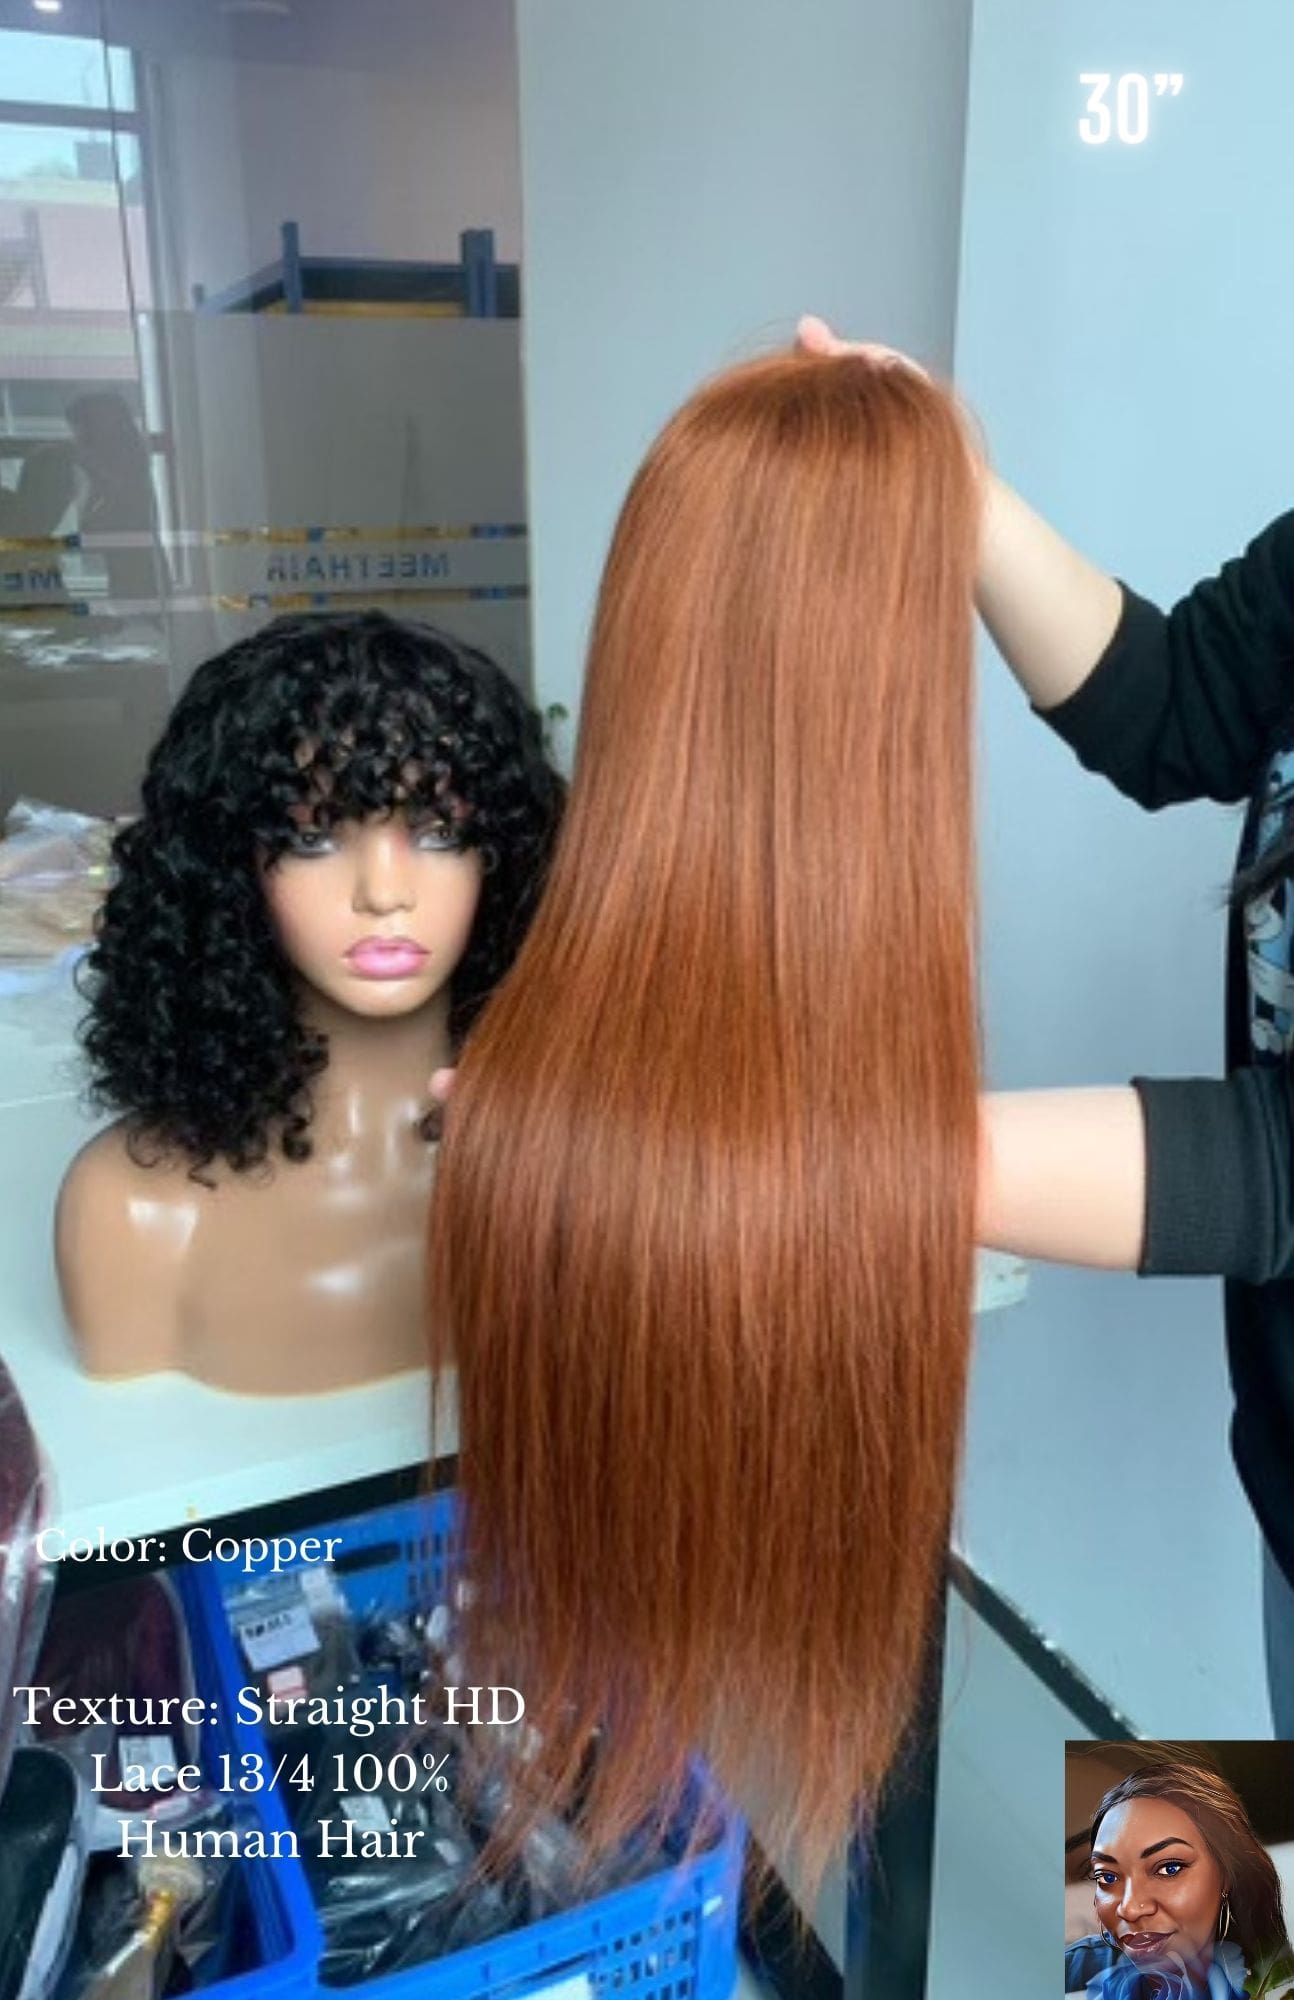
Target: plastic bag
129 1639
358 1788
43 1815
295 1632
26 1583
55 868
196 1949
392 1870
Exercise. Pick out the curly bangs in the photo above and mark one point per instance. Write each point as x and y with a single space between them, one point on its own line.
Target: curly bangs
194 1029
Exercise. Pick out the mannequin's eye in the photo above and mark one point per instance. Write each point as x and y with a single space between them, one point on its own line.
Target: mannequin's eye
434 836
1104 1878
305 840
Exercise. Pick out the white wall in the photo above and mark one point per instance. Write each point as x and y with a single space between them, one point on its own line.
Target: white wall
1123 333
695 177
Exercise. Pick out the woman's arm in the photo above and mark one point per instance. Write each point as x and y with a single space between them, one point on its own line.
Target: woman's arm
1173 1177
1189 1177
1052 613
1062 1176
1170 706
1167 706
1176 705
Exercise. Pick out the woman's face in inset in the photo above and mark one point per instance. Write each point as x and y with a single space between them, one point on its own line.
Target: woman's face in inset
375 913
1158 1888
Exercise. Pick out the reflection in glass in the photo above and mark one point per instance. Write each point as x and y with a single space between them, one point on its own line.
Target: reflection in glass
258 351
82 688
66 70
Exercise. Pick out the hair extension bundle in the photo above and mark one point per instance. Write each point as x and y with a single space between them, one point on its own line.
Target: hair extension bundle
702 1235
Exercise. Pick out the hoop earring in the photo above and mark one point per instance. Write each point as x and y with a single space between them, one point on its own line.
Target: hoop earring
1224 1916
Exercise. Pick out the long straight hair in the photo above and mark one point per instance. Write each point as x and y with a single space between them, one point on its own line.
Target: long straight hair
702 1236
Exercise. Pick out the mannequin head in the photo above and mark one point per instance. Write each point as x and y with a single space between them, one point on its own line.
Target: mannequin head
348 811
1176 1866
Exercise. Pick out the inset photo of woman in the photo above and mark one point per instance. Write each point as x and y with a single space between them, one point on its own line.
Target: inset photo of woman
1179 1870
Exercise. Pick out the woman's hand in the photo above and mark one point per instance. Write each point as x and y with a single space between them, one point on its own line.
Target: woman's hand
1051 612
439 1085
814 336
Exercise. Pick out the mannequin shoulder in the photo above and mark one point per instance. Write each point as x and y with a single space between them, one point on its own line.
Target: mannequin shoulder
121 1235
107 1186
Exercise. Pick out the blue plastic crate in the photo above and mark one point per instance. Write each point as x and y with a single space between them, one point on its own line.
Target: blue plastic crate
277 1917
671 1936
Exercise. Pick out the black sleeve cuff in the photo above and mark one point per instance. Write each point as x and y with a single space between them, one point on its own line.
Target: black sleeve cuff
1219 1174
1093 720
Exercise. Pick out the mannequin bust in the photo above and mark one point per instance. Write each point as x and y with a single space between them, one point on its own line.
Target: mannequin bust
345 828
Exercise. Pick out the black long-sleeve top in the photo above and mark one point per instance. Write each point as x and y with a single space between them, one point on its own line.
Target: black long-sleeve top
1195 703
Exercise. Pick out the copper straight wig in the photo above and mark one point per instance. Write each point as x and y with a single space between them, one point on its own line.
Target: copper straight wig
702 1239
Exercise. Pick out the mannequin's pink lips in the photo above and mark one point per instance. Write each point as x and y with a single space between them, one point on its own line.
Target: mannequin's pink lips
386 958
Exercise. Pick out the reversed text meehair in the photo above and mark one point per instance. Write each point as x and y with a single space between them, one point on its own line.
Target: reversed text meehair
702 1237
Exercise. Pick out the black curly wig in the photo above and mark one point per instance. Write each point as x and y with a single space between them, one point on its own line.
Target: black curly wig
195 1030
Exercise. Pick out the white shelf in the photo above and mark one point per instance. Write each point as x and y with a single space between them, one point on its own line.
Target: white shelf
38 1053
137 1458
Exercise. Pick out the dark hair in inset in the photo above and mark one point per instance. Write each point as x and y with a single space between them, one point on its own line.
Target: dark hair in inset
195 1028
702 1229
1248 1872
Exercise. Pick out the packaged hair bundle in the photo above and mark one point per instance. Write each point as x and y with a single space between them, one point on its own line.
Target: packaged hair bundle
702 1236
